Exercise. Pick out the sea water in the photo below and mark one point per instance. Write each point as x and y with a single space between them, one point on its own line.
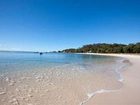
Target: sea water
56 78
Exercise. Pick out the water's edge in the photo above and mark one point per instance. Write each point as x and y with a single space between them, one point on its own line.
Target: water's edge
120 79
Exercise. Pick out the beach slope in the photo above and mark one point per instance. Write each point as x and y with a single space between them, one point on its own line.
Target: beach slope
129 94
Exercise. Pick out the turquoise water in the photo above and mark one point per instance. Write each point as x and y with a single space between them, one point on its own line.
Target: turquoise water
12 61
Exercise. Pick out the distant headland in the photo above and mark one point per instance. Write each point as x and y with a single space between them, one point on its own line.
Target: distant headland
106 48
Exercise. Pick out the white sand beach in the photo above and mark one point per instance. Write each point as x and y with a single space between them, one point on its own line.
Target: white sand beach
129 94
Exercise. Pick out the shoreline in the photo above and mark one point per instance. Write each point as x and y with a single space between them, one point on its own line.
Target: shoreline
74 87
129 94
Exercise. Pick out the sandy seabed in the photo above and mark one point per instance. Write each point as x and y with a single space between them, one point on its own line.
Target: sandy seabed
71 87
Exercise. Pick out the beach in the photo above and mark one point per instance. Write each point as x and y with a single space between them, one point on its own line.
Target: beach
85 80
129 94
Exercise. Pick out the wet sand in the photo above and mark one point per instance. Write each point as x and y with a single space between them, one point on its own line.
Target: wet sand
129 94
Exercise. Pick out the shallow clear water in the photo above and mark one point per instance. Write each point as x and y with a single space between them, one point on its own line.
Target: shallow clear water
12 61
66 78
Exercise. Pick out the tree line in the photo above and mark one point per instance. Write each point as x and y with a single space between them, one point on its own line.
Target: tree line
106 48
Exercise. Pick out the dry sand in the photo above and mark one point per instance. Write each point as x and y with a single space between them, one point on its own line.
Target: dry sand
129 94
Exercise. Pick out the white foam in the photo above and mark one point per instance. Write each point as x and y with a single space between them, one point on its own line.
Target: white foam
118 70
90 95
99 92
121 79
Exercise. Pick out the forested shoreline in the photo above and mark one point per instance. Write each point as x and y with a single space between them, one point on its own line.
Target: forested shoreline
105 48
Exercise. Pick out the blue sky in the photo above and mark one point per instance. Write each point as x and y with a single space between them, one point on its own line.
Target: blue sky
47 25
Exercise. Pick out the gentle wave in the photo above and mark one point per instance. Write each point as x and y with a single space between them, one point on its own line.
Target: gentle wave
90 95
